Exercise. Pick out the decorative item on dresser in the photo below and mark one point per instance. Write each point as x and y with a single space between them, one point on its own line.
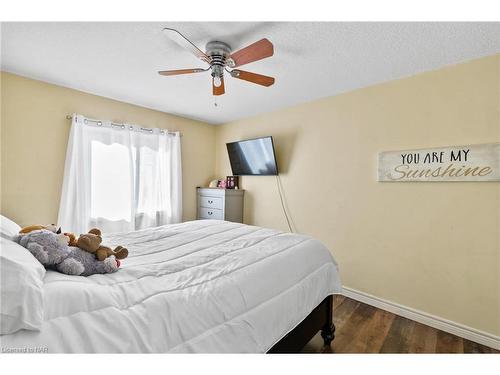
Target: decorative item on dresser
220 204
232 182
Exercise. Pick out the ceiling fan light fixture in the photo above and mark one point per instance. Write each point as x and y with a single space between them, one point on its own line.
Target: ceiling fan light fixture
217 81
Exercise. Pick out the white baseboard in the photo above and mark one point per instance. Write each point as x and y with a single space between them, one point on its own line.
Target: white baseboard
457 329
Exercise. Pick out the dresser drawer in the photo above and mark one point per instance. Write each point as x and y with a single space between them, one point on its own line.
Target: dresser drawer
210 213
210 202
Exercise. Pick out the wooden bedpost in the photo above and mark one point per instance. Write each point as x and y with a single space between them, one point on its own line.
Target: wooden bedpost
328 330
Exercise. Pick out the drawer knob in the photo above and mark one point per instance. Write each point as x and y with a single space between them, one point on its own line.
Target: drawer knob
210 212
210 202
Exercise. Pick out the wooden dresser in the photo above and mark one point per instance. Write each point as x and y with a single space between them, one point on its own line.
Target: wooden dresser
220 204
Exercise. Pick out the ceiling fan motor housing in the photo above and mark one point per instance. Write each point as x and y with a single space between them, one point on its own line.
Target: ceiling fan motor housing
219 53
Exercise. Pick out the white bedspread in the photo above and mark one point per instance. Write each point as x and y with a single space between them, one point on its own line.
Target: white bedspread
200 286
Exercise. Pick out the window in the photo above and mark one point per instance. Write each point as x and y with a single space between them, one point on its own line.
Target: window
111 182
120 178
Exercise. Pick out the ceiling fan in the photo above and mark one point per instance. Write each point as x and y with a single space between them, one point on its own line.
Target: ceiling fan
219 57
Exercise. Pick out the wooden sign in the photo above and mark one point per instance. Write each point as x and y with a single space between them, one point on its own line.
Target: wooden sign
456 163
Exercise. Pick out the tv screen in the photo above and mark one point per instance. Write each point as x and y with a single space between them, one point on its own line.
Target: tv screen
253 157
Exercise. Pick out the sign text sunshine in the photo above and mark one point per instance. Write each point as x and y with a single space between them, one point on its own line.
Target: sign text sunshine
459 163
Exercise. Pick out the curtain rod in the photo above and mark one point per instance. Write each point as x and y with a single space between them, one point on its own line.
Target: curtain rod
70 117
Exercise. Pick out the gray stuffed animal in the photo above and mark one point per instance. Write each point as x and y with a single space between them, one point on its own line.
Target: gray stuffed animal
53 253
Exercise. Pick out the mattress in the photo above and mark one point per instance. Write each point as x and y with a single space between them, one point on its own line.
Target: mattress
204 286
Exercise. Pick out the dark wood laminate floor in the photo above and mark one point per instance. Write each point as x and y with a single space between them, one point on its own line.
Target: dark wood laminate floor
362 328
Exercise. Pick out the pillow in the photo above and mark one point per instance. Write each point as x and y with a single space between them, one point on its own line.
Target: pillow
21 289
8 229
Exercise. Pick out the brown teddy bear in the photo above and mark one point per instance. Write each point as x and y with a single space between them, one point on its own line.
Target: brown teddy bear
91 242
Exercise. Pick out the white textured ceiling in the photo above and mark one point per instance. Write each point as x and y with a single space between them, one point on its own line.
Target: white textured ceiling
311 60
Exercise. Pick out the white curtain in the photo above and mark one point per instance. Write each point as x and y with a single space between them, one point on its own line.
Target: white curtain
120 177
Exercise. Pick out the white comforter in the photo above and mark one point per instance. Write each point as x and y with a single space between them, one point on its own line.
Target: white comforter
200 286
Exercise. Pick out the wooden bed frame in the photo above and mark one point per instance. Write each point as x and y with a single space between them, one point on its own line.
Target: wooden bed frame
321 318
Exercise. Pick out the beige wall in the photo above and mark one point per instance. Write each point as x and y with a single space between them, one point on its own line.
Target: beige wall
430 246
34 135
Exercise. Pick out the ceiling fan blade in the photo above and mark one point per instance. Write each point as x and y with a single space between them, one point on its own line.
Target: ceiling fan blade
254 52
180 71
253 77
218 90
184 42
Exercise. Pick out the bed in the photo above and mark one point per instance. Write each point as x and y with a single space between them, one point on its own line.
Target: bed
204 286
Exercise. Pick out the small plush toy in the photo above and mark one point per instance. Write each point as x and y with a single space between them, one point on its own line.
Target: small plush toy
48 250
91 242
62 238
51 227
71 238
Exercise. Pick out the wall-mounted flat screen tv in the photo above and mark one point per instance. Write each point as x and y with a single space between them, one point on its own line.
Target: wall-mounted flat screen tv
253 157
